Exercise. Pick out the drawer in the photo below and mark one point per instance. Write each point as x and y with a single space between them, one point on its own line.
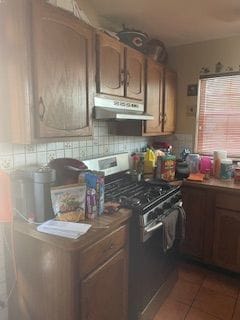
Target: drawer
228 201
102 250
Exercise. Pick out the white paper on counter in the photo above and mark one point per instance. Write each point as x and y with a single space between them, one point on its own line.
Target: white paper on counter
64 229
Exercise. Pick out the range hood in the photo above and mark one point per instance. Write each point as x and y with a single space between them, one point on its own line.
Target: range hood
122 109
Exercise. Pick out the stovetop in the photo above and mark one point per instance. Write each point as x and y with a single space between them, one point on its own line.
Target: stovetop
138 195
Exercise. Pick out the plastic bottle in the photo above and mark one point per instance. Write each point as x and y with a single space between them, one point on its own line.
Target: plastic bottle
226 169
205 164
149 162
193 161
217 157
237 174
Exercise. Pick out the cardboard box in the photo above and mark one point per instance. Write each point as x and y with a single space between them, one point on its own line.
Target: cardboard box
95 193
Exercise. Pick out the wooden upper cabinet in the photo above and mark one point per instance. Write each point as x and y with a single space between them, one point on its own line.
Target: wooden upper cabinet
110 66
120 70
134 74
154 97
63 74
170 92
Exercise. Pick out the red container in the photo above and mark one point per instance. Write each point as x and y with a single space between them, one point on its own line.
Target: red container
5 198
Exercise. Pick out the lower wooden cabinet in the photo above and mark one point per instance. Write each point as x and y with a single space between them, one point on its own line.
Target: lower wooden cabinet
194 202
63 279
104 291
212 224
226 245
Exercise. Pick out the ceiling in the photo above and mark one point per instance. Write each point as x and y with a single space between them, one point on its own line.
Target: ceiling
175 22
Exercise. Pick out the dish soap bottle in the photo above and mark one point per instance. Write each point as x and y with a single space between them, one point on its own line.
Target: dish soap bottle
149 163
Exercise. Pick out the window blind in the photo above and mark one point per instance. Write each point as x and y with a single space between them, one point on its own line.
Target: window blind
218 125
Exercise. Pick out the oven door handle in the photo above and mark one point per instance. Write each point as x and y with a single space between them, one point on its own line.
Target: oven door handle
157 226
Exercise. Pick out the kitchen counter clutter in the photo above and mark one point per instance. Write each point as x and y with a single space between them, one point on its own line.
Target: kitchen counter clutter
214 183
100 227
213 222
72 279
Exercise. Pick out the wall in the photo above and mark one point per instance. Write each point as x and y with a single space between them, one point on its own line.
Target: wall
83 5
188 60
101 143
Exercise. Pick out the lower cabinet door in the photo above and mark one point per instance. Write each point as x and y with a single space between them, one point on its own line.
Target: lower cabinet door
104 293
194 203
226 246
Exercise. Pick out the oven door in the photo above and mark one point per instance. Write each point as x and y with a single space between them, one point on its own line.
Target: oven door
150 267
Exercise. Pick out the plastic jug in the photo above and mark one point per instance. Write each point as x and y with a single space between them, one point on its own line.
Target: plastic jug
149 162
205 164
193 160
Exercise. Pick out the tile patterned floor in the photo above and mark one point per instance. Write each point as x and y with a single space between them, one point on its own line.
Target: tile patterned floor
201 294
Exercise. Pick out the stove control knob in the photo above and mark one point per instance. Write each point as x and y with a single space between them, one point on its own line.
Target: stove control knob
158 211
166 205
174 199
155 213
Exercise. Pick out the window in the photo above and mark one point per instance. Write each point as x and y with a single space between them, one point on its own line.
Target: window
218 124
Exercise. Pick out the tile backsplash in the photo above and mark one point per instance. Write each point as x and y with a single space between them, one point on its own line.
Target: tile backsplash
179 142
102 143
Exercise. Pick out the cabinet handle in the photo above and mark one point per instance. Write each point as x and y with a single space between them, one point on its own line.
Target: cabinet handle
42 109
122 77
160 117
128 78
110 247
165 118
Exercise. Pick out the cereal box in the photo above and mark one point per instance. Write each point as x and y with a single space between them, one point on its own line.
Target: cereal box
95 193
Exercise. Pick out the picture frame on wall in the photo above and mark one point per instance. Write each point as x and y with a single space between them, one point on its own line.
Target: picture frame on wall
192 90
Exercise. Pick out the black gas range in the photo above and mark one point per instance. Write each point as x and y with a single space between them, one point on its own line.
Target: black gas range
150 200
150 268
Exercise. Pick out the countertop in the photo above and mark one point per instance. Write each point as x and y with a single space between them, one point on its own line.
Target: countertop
215 184
101 227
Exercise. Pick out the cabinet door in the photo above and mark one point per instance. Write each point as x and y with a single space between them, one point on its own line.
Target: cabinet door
170 100
134 74
195 207
63 78
154 97
105 291
226 246
110 57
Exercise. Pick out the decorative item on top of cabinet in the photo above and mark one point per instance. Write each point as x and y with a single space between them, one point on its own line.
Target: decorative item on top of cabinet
63 76
50 64
120 69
